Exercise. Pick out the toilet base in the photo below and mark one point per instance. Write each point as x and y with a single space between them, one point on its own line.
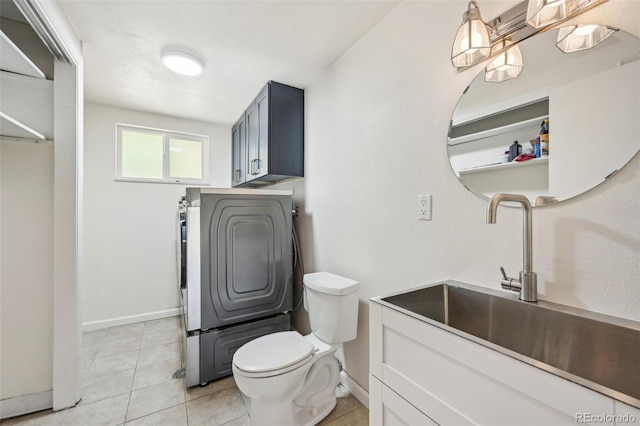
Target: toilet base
318 397
314 399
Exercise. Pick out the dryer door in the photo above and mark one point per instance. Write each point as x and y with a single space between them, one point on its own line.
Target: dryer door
246 257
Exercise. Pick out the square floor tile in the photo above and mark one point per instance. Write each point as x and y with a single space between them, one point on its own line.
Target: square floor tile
174 416
215 386
89 352
160 337
346 402
93 337
158 354
107 412
155 398
357 417
119 345
125 330
241 421
164 324
113 364
154 374
102 387
216 408
40 418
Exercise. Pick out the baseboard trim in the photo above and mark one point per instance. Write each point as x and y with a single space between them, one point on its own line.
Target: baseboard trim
12 407
356 390
131 319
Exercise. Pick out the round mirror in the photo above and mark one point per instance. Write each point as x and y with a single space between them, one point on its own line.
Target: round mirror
565 124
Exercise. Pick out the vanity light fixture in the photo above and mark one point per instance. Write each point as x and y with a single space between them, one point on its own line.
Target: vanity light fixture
541 13
505 65
582 37
476 40
182 62
472 43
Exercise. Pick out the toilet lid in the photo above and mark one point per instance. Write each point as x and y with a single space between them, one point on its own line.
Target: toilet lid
272 352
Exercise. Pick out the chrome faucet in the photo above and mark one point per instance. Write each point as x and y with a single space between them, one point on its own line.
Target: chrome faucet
527 285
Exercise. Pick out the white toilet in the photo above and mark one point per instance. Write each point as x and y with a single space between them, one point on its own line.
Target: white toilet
291 379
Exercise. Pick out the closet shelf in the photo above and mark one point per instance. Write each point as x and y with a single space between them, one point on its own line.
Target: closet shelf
12 59
13 128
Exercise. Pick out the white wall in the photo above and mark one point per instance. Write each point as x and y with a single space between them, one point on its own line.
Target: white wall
26 266
376 131
129 244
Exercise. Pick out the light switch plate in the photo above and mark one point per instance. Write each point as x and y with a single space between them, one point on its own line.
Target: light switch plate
424 207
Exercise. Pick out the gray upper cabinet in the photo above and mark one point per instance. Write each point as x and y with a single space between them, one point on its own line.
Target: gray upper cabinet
268 139
239 151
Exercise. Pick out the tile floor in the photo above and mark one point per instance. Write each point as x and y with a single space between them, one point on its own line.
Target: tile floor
128 380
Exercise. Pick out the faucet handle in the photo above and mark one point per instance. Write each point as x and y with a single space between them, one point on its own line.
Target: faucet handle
504 274
507 283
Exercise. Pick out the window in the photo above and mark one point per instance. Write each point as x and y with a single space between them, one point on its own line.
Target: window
154 155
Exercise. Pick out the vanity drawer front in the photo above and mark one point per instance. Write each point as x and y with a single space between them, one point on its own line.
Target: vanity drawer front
456 381
392 409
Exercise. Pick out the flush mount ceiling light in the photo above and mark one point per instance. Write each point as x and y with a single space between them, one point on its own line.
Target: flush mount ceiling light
541 13
182 62
472 43
506 65
582 37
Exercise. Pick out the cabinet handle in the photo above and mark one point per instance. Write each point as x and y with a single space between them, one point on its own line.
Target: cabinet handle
255 169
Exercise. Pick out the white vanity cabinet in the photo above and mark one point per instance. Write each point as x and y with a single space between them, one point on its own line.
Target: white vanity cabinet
421 374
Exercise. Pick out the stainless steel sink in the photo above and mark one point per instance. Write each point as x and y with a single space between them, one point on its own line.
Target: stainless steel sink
594 350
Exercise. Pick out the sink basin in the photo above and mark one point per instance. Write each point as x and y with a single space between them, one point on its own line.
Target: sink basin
594 350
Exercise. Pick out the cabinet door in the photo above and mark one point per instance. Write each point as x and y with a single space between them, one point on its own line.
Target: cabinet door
386 407
258 135
238 151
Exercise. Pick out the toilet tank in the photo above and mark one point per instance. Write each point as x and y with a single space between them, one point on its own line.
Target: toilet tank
332 304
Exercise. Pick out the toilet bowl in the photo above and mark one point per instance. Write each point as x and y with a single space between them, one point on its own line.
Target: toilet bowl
291 379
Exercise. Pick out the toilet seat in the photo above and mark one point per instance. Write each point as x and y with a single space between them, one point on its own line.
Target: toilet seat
273 354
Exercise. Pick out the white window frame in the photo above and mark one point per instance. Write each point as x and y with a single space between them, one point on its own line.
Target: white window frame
166 136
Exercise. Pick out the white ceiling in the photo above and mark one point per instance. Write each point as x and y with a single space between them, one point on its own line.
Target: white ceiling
243 44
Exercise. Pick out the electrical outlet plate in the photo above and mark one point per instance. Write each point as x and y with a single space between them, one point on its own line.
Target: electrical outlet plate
424 207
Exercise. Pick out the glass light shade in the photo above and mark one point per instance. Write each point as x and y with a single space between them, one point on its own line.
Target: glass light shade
472 43
581 37
182 63
541 13
505 65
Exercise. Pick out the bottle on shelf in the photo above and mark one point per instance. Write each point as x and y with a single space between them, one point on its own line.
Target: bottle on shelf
535 144
544 138
514 150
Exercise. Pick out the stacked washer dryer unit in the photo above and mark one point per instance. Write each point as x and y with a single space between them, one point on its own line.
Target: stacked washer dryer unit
237 258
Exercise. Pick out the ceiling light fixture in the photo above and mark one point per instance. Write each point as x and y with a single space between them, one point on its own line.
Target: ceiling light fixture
472 43
541 13
507 64
581 37
182 62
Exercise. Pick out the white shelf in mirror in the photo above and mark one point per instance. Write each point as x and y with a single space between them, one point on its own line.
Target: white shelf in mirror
503 166
478 136
12 59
